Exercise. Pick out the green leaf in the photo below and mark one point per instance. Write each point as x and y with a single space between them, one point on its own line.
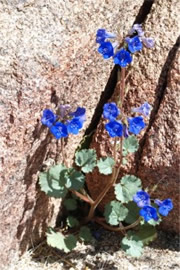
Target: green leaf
57 172
72 222
124 161
115 212
105 165
146 233
57 240
70 242
51 187
86 159
132 245
133 213
70 204
85 234
151 222
130 145
74 179
126 189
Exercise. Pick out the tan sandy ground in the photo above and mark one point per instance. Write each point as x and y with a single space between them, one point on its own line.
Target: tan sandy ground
104 254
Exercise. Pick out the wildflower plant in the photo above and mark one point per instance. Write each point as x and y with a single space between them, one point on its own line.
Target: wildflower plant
133 211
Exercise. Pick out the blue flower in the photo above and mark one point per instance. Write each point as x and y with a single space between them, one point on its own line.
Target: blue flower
148 212
74 125
59 130
122 58
141 198
106 49
80 113
134 44
110 111
114 128
143 109
136 124
48 118
164 206
102 34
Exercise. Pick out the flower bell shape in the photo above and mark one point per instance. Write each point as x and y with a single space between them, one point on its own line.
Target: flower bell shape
164 206
102 34
48 118
136 124
148 212
80 113
143 109
114 128
59 130
110 111
134 44
74 125
141 198
107 49
122 58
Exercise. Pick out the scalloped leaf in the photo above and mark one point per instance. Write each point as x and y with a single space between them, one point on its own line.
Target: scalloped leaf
130 145
132 245
74 179
51 187
57 240
126 189
70 204
105 165
86 159
146 233
72 222
133 213
115 212
85 234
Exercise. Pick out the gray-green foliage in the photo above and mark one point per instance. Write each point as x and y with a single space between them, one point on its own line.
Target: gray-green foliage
86 159
115 212
72 222
74 179
70 204
58 240
133 212
127 187
132 245
53 181
105 165
146 233
130 145
58 179
85 234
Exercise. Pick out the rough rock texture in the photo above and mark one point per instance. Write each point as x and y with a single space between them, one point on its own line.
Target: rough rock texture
47 57
153 78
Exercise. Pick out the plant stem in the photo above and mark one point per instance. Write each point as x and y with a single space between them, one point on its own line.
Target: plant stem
115 172
117 229
83 197
62 150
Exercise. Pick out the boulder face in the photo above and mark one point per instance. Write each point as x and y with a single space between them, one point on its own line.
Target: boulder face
48 57
152 78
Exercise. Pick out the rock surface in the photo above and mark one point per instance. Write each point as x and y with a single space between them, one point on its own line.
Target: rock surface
47 57
153 78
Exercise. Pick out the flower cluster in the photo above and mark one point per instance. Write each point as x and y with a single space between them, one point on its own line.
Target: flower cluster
133 43
117 128
142 199
70 122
